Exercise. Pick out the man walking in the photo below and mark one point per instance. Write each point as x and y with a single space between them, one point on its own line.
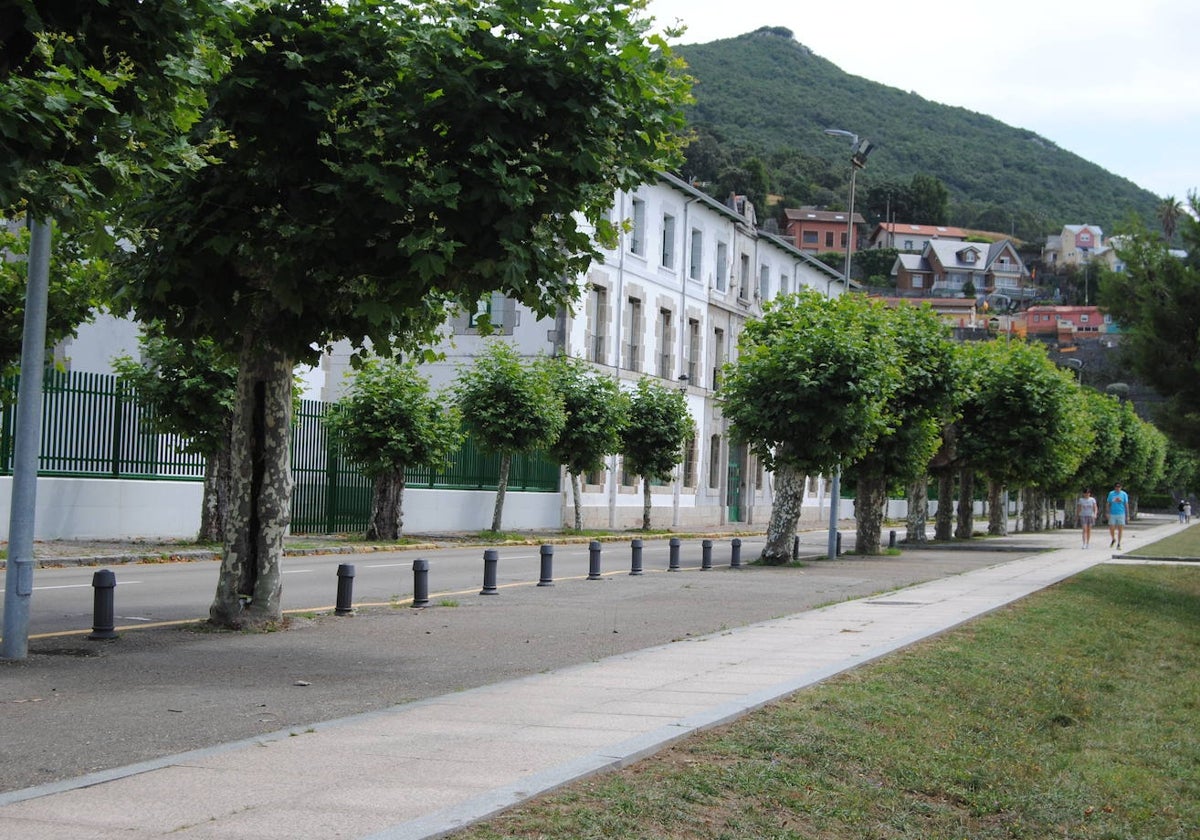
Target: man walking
1115 508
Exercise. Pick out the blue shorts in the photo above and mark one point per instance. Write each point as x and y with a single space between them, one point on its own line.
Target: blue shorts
1116 519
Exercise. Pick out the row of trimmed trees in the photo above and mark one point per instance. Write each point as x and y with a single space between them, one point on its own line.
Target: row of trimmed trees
885 396
390 421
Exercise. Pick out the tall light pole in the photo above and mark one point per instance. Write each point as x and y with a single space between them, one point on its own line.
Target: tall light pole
859 149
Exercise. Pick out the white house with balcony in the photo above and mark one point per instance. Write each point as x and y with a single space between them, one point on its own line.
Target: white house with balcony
946 268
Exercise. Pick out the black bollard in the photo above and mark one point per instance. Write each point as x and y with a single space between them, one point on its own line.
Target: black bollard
345 590
420 583
706 554
735 554
673 563
594 560
547 554
891 539
837 552
795 548
104 582
491 559
635 567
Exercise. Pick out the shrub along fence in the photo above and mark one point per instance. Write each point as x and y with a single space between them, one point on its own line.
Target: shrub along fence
93 426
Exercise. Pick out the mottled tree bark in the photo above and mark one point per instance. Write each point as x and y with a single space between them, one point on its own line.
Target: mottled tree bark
387 506
501 489
576 492
997 514
214 510
918 510
785 515
645 503
870 497
943 528
965 528
250 586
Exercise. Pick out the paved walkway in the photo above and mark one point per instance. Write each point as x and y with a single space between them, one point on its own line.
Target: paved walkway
424 769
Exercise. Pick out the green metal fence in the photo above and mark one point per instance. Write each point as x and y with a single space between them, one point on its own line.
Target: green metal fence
94 427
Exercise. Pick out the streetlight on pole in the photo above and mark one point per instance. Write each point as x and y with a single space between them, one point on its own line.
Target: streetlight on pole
859 149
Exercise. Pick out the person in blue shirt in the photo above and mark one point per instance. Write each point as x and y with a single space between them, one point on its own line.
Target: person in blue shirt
1115 508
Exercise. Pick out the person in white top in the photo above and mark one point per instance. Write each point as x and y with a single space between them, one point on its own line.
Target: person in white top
1085 510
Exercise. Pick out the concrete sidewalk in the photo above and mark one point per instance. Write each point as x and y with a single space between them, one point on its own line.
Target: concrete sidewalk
424 769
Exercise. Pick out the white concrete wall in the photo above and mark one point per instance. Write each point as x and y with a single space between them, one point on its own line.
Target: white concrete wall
99 508
430 511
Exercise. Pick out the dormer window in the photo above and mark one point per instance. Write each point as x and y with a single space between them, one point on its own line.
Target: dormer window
968 255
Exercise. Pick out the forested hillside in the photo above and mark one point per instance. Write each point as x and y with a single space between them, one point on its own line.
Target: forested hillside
763 101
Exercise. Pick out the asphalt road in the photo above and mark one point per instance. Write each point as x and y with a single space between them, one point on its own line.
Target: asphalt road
149 593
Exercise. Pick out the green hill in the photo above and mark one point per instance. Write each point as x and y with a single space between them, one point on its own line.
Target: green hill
763 101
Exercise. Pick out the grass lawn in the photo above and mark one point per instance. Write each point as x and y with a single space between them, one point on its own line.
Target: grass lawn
1072 714
1184 545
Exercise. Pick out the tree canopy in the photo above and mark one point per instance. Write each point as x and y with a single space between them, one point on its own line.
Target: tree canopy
1156 302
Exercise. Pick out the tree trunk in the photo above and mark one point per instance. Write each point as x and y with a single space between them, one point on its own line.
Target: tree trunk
966 505
387 506
870 497
214 510
645 503
918 510
997 513
785 514
250 585
575 494
501 489
943 528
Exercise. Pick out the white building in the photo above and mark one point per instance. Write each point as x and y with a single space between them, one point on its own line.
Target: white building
669 302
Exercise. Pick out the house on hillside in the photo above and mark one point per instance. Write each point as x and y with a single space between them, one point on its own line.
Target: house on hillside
912 238
946 268
1075 246
814 230
1067 324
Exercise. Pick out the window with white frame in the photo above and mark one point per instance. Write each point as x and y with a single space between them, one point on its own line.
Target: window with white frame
744 278
637 236
722 266
633 347
668 241
714 462
696 255
666 341
764 281
693 370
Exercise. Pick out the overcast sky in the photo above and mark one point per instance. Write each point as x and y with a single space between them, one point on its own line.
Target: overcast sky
1113 82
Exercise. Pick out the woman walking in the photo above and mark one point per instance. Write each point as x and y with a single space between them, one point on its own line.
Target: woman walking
1085 509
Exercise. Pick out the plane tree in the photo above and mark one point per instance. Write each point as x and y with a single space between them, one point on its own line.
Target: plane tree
388 421
410 156
924 401
189 387
509 406
1022 423
809 393
657 427
1156 302
596 410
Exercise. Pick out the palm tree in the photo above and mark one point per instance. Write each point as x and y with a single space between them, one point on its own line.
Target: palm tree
1169 210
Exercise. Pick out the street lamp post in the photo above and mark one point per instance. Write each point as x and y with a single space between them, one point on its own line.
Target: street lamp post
859 149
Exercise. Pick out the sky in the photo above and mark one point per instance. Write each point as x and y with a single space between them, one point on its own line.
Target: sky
1113 82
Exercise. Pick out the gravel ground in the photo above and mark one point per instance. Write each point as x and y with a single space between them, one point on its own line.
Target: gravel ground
75 706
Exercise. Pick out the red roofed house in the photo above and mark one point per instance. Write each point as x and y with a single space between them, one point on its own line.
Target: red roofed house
821 230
